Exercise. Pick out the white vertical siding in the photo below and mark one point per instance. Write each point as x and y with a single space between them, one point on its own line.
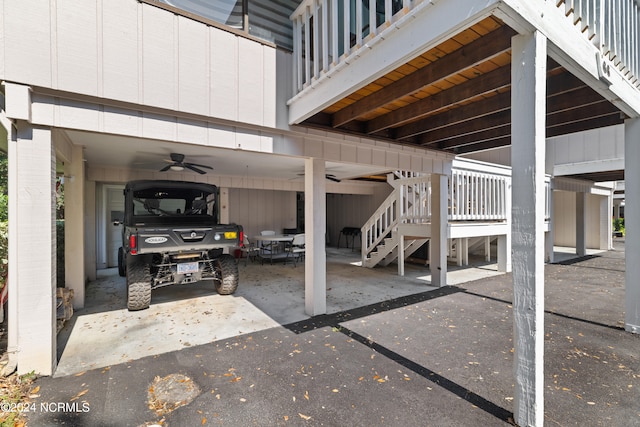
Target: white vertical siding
347 210
158 58
76 46
224 74
258 210
27 39
250 86
193 67
564 208
134 52
120 51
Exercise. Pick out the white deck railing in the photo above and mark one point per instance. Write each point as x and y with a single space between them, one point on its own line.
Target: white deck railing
328 33
477 196
473 196
613 26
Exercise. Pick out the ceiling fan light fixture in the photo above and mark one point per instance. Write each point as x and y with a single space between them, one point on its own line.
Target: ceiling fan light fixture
176 168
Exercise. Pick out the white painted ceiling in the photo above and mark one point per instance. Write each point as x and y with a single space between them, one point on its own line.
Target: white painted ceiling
138 153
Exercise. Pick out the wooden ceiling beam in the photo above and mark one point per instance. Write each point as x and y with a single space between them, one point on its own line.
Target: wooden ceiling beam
484 145
565 92
482 129
481 85
585 112
469 127
491 45
491 105
585 124
476 137
572 100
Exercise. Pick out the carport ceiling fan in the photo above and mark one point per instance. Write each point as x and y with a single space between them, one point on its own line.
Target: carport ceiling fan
178 164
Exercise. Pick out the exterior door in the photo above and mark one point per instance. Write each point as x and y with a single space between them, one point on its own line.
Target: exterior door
114 212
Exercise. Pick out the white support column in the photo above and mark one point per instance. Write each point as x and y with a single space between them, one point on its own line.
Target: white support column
487 249
74 226
438 243
550 235
632 224
401 255
606 226
465 251
34 254
528 77
504 241
315 218
90 260
581 224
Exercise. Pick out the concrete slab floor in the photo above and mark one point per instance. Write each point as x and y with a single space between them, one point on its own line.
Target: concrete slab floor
437 358
104 333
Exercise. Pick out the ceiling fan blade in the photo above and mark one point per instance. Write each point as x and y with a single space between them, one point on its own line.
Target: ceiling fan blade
193 168
198 166
166 168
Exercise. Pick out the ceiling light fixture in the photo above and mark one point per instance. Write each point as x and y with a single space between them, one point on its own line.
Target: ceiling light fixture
176 168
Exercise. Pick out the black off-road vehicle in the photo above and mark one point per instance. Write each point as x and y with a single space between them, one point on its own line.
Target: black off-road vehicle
171 235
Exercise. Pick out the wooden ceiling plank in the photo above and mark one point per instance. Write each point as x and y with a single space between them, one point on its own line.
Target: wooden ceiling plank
587 124
493 44
498 119
484 145
457 115
476 137
587 112
567 101
485 83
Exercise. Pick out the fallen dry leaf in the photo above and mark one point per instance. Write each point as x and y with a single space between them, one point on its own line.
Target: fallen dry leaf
77 396
304 417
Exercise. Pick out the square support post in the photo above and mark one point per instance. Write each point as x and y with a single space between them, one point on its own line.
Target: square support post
74 226
606 226
528 97
32 230
581 224
632 224
315 218
439 228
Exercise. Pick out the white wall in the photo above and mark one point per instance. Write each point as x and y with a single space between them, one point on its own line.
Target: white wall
564 216
123 50
258 210
347 210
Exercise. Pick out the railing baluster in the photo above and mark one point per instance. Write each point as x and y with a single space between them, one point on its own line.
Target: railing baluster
325 34
388 11
297 54
316 40
307 46
373 24
346 9
335 53
358 23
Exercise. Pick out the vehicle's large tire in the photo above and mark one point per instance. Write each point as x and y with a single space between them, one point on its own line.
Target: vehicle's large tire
227 270
121 269
138 283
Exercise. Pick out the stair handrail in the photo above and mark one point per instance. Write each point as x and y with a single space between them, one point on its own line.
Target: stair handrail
381 222
414 199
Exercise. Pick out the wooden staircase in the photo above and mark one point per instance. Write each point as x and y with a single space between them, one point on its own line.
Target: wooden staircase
409 205
478 206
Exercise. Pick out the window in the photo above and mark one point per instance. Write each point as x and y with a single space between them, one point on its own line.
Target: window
267 20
